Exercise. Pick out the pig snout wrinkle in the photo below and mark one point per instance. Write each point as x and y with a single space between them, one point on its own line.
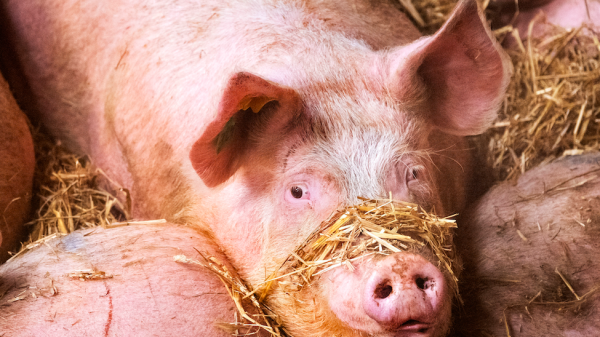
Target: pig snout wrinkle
403 293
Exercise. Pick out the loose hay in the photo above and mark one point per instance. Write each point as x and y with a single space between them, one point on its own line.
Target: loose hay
89 274
67 193
373 227
434 13
551 108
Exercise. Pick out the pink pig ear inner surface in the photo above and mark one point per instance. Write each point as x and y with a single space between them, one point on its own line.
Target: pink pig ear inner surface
460 74
249 105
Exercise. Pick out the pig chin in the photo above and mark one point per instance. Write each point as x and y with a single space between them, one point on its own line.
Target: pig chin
369 301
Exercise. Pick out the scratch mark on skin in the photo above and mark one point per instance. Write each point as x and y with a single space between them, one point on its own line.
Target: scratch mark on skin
149 286
110 311
122 56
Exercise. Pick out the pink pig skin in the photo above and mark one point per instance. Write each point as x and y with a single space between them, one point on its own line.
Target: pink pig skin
157 94
148 295
556 209
563 13
17 164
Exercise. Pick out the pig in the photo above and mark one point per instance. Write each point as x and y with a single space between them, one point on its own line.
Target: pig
569 14
17 164
518 243
255 120
115 282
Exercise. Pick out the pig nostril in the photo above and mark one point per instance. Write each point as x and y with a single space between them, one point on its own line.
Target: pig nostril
383 291
421 283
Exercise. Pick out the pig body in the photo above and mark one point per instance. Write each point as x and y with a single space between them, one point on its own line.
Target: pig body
569 14
146 293
255 120
17 164
517 240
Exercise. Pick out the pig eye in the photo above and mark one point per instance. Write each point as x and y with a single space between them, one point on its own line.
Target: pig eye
297 192
413 173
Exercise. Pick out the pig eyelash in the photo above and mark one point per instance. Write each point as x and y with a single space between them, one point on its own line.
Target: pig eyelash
414 173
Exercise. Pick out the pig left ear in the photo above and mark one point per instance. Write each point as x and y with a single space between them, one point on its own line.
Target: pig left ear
458 76
250 107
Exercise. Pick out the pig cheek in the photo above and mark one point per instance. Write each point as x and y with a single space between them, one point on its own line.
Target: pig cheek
238 217
290 222
304 216
396 184
412 189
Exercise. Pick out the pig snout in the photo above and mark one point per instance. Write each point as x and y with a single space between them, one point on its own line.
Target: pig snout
401 295
404 293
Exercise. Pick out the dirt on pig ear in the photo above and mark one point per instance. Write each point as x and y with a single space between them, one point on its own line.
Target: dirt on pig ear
250 106
457 77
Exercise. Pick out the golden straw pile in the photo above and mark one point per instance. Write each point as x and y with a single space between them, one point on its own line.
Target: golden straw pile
552 105
551 108
434 14
373 227
67 195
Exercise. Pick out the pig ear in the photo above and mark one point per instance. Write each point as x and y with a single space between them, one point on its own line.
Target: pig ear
457 76
249 105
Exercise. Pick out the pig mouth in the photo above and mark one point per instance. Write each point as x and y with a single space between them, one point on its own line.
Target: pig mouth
413 326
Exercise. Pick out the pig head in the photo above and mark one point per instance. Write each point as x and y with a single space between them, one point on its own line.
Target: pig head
287 148
257 120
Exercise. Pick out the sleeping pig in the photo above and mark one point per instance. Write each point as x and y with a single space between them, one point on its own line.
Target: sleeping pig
115 282
255 120
531 252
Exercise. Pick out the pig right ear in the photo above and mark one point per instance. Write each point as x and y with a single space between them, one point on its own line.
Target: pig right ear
457 77
250 105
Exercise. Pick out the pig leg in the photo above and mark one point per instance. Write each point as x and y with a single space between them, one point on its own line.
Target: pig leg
148 295
519 242
16 172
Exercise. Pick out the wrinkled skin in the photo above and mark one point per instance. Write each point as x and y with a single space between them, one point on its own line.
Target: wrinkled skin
148 295
254 121
17 163
556 207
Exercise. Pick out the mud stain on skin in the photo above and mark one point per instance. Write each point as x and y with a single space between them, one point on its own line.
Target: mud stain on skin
110 311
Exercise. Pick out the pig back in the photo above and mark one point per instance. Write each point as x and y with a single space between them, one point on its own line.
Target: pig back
119 281
531 251
16 171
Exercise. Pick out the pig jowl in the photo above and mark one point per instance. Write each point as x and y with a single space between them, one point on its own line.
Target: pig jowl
254 121
531 254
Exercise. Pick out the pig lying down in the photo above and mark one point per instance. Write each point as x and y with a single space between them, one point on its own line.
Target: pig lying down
17 163
253 121
94 281
533 254
141 293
